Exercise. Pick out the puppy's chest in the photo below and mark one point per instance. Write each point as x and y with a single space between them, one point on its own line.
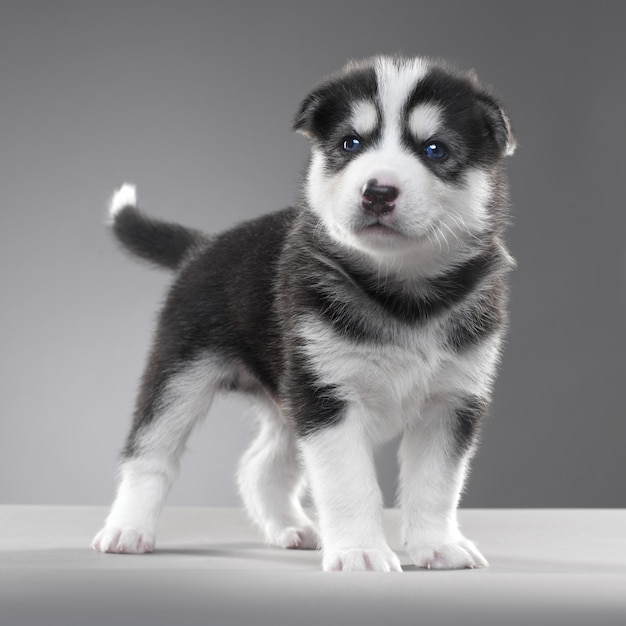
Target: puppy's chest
393 373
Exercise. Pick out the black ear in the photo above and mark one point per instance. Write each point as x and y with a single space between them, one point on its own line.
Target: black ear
498 123
304 122
329 101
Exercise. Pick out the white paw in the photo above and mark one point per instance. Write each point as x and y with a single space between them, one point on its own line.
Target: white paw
361 560
125 196
297 538
456 554
123 541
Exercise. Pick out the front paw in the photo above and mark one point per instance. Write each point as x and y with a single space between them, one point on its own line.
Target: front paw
454 554
361 560
123 541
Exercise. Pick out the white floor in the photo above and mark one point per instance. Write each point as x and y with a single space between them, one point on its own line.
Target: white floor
547 567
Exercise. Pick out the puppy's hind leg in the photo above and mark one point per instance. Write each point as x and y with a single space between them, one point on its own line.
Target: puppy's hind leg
271 482
171 402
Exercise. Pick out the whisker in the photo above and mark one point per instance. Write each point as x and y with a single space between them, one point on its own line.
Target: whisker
443 236
463 225
436 234
458 241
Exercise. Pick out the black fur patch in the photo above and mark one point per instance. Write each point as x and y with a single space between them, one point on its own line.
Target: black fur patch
484 315
325 114
330 104
357 303
221 304
361 308
433 296
474 129
162 243
467 423
312 405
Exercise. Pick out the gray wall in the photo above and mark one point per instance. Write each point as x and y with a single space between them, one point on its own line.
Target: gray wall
193 102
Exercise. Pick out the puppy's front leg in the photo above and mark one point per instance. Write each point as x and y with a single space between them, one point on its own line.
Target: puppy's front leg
342 476
434 459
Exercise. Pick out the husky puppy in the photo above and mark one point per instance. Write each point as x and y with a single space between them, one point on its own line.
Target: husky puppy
375 306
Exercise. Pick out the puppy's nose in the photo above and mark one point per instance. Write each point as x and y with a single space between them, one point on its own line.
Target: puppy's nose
378 199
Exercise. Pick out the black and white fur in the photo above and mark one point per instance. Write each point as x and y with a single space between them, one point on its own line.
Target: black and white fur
374 307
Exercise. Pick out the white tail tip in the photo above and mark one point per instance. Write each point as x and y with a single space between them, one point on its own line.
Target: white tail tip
125 196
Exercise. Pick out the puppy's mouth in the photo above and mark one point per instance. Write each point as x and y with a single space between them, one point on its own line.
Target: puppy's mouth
381 226
389 233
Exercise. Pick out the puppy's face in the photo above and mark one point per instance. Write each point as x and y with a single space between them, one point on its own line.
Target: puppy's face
403 155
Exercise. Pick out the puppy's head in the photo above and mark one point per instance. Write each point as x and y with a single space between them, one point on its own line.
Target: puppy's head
404 154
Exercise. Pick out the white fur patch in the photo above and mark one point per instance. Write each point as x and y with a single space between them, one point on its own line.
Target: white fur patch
395 84
271 482
186 400
364 117
436 223
341 470
408 375
393 380
125 196
431 480
425 121
414 384
130 527
146 477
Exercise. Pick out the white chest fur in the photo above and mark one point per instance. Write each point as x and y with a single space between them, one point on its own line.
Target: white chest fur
390 382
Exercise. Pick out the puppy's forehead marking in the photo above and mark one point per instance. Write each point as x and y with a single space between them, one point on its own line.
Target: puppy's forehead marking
396 81
425 120
364 117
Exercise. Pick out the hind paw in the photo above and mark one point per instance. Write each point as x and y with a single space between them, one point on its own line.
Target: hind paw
297 538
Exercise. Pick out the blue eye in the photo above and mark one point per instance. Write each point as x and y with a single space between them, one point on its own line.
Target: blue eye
435 150
351 144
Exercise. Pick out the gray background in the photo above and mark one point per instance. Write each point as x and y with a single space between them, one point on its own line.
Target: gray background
193 102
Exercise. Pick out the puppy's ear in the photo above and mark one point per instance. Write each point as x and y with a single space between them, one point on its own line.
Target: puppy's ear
304 122
324 107
498 123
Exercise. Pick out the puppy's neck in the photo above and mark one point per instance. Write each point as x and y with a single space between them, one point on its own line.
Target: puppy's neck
425 258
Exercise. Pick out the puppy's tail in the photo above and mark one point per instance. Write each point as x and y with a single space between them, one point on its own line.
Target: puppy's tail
163 243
